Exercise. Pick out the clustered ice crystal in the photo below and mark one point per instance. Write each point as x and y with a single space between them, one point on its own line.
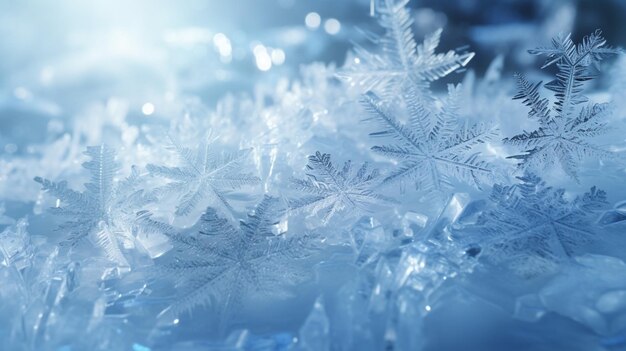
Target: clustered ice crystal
235 229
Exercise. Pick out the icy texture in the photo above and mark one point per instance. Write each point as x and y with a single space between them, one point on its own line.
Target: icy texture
564 131
386 304
218 264
617 215
222 222
204 173
103 213
315 332
532 227
333 190
433 150
400 63
601 305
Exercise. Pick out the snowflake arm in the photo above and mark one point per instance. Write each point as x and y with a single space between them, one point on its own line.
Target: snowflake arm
396 19
431 157
401 63
105 210
533 227
91 206
204 173
433 66
562 138
171 172
103 169
217 264
331 190
393 128
75 203
529 93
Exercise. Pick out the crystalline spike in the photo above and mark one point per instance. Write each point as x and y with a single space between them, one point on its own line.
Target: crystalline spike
315 332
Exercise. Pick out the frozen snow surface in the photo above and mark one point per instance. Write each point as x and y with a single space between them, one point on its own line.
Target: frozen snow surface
212 195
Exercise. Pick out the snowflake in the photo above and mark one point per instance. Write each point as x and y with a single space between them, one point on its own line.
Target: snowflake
401 62
533 227
219 263
203 173
332 190
562 136
432 151
105 211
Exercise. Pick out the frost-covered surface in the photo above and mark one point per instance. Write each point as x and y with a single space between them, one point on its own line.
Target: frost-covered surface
360 206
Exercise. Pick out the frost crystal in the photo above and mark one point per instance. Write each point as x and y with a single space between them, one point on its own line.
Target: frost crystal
331 190
105 211
402 63
533 227
221 264
432 151
315 331
590 292
391 237
562 136
203 173
15 245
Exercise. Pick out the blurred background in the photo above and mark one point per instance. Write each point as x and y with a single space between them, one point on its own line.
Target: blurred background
60 57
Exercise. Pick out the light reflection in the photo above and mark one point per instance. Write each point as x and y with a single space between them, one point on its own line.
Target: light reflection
262 57
147 108
278 57
312 20
332 26
223 47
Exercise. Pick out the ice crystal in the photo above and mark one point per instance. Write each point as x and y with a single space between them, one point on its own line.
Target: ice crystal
221 264
401 62
15 246
533 227
105 211
374 266
314 333
203 173
387 303
33 288
330 190
590 292
432 152
563 134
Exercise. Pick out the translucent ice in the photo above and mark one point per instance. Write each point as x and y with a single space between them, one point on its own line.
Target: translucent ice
591 292
314 333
